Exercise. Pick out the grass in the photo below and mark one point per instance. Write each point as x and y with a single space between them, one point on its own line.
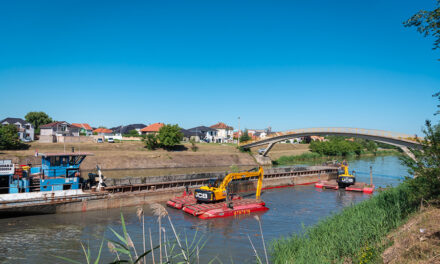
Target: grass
285 160
354 235
313 156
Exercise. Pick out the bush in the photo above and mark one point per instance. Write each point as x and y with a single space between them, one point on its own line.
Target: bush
193 145
9 138
132 133
336 147
151 142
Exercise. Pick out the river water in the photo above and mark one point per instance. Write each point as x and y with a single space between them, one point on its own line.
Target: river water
38 239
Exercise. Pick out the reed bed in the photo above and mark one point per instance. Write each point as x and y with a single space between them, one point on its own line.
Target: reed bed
354 235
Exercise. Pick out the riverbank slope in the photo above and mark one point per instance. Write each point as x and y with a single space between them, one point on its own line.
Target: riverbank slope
133 155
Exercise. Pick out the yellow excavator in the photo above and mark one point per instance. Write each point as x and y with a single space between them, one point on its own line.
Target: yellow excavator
345 178
216 190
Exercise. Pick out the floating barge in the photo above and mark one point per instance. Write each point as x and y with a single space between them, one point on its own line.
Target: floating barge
223 209
357 187
238 206
58 186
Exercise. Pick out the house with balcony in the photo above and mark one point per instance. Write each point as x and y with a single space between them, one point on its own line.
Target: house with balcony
225 133
25 129
57 131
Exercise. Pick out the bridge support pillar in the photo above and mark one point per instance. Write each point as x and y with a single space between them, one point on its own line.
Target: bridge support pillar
408 152
268 149
263 160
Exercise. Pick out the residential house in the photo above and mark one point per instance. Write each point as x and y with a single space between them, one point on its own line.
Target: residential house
103 132
260 133
121 130
317 138
84 128
25 129
224 133
203 133
152 129
56 131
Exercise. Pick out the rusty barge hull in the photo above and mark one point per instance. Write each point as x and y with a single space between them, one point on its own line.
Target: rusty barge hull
124 195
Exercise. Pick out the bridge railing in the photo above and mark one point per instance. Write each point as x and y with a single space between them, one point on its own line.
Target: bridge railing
342 130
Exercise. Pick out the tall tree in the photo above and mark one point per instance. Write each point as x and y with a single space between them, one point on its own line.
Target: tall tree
426 167
170 135
37 119
245 137
427 23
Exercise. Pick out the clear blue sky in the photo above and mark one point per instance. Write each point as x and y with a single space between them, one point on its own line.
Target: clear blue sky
284 64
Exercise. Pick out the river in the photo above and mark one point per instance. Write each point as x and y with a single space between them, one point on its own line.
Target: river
38 239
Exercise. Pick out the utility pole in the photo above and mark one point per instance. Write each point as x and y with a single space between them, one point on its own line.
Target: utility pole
238 133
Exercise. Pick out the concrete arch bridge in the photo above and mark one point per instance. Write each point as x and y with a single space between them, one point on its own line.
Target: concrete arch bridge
403 141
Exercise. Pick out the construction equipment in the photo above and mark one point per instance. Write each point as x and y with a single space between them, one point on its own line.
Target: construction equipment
345 179
217 190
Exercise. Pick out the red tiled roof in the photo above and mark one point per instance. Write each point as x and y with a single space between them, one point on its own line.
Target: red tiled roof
103 130
221 125
53 124
82 125
153 127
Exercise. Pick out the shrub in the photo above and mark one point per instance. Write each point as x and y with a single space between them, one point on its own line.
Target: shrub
151 142
193 145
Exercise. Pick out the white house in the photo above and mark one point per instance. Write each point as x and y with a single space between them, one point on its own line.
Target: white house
203 133
225 133
25 129
56 131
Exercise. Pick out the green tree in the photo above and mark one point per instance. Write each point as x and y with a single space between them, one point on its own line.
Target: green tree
37 119
245 136
9 139
151 142
426 166
132 133
170 136
371 146
427 23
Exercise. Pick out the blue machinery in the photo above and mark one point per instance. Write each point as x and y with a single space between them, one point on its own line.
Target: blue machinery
58 171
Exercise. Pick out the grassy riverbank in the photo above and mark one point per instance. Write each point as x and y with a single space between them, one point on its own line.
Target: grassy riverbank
313 156
134 155
354 235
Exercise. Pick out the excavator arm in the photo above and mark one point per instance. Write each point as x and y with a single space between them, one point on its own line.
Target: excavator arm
219 193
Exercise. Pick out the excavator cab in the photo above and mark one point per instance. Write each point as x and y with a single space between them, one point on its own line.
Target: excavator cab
345 179
214 183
